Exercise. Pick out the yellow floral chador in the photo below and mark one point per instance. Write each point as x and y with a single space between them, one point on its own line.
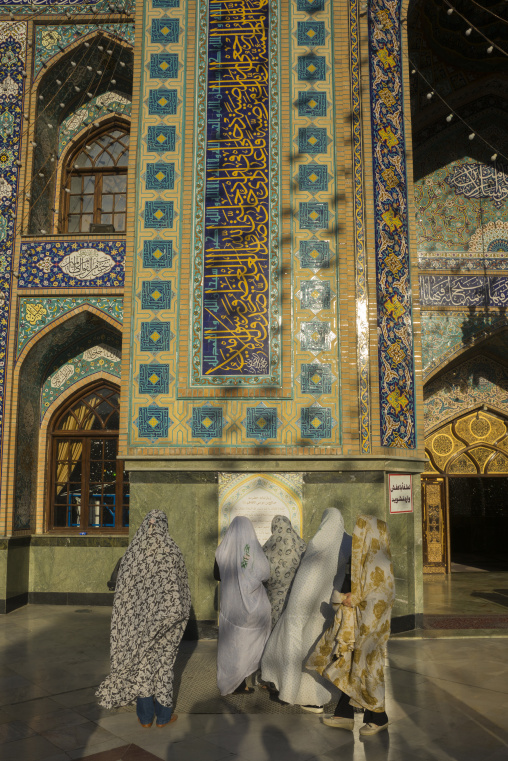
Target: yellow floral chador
351 653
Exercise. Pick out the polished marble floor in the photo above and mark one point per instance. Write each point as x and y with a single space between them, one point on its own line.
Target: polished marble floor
447 700
468 594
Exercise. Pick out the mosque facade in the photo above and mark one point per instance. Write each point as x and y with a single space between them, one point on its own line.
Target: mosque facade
253 260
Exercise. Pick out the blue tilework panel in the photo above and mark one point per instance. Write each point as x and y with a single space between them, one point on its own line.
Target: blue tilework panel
261 422
162 102
160 176
312 140
158 254
311 33
165 3
153 422
316 379
312 103
316 294
165 30
156 294
310 6
463 290
313 216
311 68
316 336
76 264
313 178
164 65
155 336
161 138
158 214
316 422
315 254
391 227
207 422
154 379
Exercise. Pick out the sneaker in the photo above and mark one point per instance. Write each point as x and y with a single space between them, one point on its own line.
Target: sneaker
339 723
372 729
313 709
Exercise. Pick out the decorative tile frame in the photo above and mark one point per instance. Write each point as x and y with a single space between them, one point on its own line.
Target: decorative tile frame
13 41
72 264
394 304
56 7
37 313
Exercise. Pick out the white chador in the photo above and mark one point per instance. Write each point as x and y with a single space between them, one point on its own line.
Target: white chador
307 615
245 611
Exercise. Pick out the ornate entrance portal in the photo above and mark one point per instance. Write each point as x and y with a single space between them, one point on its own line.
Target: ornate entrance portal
465 493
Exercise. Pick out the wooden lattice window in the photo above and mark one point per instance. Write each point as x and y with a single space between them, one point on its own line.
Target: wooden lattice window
88 487
95 182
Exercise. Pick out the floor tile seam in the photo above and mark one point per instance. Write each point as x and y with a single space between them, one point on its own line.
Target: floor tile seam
451 681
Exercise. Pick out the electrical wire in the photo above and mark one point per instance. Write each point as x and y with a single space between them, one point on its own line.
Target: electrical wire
472 26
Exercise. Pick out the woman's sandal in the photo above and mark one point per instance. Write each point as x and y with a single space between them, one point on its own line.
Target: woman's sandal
172 719
243 691
145 726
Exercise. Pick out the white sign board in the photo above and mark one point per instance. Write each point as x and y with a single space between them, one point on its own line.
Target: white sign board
260 497
400 493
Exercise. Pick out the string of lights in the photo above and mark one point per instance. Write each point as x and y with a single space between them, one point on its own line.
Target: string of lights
470 26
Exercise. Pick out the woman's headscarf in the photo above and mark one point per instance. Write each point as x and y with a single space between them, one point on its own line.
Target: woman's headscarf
150 612
244 620
351 653
307 614
284 550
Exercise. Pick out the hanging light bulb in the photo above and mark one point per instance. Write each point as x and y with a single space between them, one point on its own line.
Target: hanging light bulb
58 81
489 50
493 157
449 117
449 11
468 32
472 136
430 94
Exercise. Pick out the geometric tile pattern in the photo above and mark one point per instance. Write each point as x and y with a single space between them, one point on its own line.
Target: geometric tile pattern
165 30
154 379
310 6
91 111
312 103
315 294
315 336
316 422
311 68
12 53
313 177
206 422
313 216
160 176
158 254
311 33
153 422
398 420
314 254
261 422
75 264
316 379
164 65
159 214
362 299
162 102
161 138
156 294
155 336
312 140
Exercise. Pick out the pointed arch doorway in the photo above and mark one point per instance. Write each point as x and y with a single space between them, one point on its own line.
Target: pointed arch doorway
465 494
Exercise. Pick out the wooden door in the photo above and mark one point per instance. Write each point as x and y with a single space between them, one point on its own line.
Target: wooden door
435 534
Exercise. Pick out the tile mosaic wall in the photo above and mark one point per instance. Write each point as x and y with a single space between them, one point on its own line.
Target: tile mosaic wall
476 382
37 313
12 65
170 410
50 40
464 290
396 368
53 7
444 334
95 109
98 353
76 264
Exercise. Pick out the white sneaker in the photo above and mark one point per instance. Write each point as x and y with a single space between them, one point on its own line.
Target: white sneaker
372 729
339 723
313 709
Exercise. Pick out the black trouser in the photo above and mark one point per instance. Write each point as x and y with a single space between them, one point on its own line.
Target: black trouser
346 711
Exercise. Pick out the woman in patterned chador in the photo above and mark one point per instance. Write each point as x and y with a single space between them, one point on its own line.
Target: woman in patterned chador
307 614
150 612
284 550
244 619
351 653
